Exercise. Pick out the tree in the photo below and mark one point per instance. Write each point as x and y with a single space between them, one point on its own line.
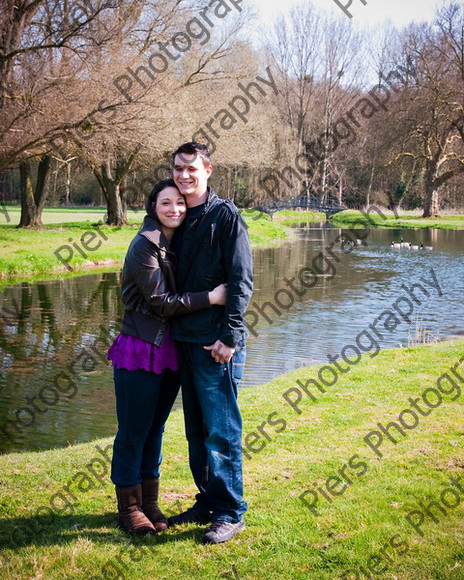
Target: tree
33 199
47 55
318 61
144 129
343 48
430 115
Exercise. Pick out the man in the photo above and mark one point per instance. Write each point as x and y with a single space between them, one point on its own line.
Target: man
212 247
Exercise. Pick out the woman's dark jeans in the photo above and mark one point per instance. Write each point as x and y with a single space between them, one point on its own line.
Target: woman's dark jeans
143 403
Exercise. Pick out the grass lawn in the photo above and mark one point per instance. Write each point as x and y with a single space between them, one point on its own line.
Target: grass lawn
73 239
406 219
54 215
290 217
368 510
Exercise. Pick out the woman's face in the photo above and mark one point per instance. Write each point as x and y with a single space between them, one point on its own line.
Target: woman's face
170 207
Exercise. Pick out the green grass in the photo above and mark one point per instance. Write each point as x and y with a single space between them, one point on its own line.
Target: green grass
290 217
36 252
405 219
54 215
283 538
25 252
262 229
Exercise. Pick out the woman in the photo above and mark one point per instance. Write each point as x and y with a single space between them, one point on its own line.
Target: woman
145 359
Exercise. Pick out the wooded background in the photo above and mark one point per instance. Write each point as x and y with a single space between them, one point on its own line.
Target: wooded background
95 94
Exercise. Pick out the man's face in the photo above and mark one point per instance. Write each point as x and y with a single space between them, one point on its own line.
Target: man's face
190 175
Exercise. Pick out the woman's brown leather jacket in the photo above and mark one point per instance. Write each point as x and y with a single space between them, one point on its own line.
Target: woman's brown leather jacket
148 287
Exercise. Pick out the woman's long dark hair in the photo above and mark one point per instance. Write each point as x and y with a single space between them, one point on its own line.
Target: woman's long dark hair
154 195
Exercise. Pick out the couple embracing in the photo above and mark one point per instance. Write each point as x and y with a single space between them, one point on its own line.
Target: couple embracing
186 284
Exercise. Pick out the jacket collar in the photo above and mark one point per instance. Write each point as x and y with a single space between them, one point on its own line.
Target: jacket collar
151 229
212 196
210 200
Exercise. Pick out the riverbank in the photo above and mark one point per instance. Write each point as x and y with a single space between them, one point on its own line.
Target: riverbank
405 219
75 240
80 241
360 516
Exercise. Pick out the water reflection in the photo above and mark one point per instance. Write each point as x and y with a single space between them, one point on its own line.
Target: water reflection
368 280
56 387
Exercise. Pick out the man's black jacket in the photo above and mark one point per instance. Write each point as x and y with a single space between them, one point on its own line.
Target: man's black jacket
215 249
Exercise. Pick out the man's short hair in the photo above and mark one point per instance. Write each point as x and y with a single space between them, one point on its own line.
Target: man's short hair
194 148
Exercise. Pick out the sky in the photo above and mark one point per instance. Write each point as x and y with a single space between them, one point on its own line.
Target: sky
373 13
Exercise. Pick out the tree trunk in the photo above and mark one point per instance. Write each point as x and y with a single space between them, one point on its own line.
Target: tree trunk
323 196
110 184
325 161
430 201
67 184
431 192
371 177
117 210
33 201
27 195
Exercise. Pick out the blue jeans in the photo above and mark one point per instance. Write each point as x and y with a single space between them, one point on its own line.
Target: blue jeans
213 426
143 403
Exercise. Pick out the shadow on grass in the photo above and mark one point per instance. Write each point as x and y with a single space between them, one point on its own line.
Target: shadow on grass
49 530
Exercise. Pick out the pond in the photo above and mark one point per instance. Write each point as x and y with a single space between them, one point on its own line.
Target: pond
316 299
